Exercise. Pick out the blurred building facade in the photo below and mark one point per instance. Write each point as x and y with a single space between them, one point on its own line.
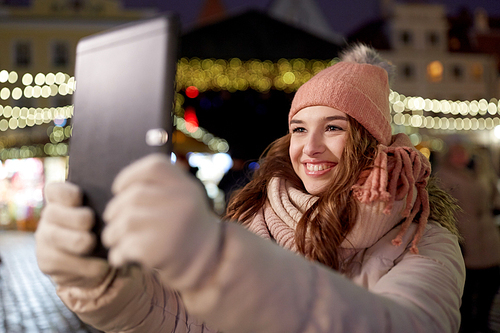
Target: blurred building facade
429 64
38 44
447 72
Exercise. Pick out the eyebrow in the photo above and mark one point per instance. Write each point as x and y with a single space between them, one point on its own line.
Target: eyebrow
331 118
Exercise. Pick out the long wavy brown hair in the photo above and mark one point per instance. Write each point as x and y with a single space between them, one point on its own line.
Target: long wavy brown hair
327 222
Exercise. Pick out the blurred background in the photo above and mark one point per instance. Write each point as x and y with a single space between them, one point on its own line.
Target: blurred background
240 63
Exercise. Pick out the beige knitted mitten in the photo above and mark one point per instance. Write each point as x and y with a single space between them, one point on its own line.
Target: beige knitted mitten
63 239
159 218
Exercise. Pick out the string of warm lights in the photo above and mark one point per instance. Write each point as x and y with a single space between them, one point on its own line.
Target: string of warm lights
200 134
459 115
21 117
45 85
235 74
230 75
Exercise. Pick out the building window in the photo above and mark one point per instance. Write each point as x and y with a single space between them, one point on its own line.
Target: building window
406 37
432 38
435 71
477 71
458 72
60 54
407 71
22 54
454 44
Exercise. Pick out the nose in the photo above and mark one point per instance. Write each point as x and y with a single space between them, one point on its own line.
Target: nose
314 145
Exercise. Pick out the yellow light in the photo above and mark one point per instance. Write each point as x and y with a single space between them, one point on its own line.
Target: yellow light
7 111
416 121
426 152
398 106
435 71
46 91
27 79
437 123
427 105
463 108
17 93
467 124
63 89
71 85
28 91
289 78
16 112
454 108
13 77
40 79
474 124
489 123
4 93
60 77
4 76
492 108
53 90
24 113
37 91
435 105
481 124
13 123
50 79
397 119
4 125
429 123
474 107
445 106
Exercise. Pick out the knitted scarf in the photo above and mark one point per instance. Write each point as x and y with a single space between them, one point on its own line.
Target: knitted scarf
394 189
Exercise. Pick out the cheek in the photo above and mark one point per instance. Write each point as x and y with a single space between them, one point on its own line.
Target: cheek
294 154
337 146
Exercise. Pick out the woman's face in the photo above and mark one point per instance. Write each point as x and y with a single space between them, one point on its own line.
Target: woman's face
318 139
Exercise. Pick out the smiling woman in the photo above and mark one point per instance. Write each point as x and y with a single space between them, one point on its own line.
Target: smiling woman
366 242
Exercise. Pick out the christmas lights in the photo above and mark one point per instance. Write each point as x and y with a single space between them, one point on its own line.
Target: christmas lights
196 76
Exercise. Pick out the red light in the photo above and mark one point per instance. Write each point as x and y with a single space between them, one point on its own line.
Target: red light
192 92
191 119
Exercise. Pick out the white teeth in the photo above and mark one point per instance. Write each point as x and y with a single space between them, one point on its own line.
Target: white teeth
317 167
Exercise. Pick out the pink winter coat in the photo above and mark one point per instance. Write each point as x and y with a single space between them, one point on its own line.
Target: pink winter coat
257 283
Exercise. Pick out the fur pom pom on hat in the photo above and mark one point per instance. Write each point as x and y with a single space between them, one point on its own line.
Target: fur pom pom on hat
358 85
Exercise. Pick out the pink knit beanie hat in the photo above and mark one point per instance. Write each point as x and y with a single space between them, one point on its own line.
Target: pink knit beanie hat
360 90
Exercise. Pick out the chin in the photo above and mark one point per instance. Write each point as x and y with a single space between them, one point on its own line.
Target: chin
315 190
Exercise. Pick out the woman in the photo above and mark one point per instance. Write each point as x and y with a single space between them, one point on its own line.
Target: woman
339 189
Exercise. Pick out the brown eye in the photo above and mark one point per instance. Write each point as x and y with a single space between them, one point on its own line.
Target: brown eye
334 128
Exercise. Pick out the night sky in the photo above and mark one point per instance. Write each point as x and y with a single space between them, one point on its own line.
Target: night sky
344 16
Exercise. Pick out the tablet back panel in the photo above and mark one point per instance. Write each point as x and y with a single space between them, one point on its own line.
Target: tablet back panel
122 103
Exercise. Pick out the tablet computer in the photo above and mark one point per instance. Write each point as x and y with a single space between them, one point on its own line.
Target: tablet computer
122 104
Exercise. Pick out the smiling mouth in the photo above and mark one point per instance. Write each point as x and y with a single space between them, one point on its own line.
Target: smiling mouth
318 167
